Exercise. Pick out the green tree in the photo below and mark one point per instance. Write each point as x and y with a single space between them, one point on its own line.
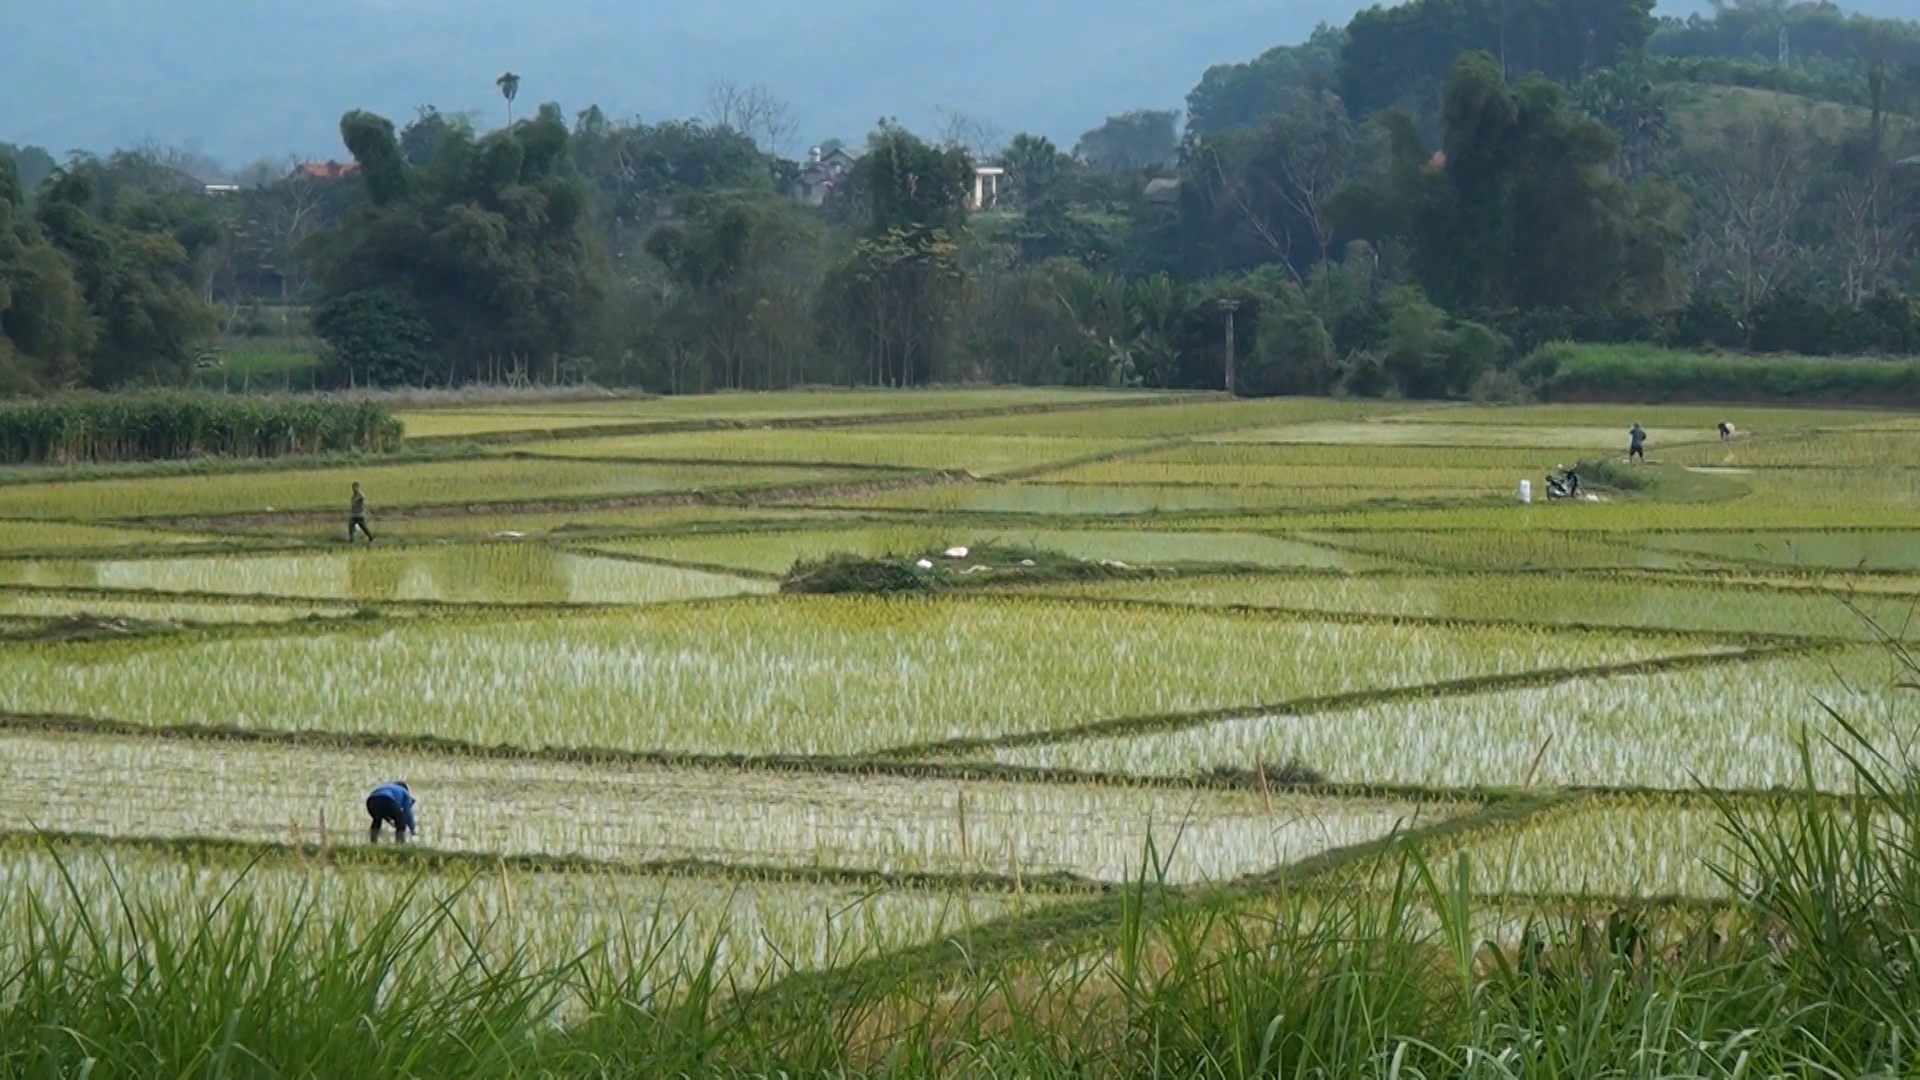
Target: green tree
896 295
1400 56
1267 193
492 240
509 85
46 330
1131 142
1293 354
140 284
1519 209
746 263
1247 95
1038 172
32 165
375 338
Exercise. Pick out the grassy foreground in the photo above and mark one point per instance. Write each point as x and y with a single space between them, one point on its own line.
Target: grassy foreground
1812 973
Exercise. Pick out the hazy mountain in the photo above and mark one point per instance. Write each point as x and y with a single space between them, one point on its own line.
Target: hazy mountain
242 79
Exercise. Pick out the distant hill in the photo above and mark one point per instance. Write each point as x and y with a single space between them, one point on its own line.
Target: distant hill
243 79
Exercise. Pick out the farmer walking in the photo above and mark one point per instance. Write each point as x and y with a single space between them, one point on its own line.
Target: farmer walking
357 515
390 804
1637 444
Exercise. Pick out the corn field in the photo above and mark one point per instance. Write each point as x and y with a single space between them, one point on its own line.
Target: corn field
170 427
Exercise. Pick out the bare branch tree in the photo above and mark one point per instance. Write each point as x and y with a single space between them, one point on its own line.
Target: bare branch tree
753 111
1756 177
1867 234
1289 172
981 139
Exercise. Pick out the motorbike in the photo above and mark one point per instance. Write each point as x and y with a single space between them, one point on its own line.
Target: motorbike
1564 486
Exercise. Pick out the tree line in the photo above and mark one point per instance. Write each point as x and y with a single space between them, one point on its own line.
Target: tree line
1410 203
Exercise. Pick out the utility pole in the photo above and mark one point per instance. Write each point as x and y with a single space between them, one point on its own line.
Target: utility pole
1227 307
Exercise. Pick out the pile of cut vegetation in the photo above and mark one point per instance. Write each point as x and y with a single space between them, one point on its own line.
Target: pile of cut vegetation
953 568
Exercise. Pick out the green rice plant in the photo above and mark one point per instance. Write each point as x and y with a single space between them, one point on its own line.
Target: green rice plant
1378 462
800 675
1844 449
1869 550
61 605
1703 605
579 523
509 573
163 788
1880 489
1359 481
1116 500
42 537
1725 726
982 456
155 427
1493 550
771 552
1159 421
1616 517
1749 420
1462 438
440 483
1635 846
775 552
449 423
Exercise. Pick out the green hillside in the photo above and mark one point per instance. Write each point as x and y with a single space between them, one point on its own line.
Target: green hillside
1700 111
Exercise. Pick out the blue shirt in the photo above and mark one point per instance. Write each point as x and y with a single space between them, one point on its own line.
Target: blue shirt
400 797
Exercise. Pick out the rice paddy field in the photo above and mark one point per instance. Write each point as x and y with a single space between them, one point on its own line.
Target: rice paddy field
1264 645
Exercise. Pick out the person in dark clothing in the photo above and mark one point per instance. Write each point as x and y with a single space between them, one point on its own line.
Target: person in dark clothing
1637 444
357 515
391 804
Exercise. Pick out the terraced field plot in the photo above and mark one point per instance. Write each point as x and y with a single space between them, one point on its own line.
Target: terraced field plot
1876 550
1335 625
815 676
778 819
1461 438
1727 725
504 573
442 483
896 450
1710 605
770 552
30 537
1123 500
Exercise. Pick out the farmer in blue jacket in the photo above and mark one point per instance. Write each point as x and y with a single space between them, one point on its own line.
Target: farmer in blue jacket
391 804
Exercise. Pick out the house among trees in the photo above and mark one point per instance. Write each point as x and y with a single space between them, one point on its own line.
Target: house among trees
824 172
325 170
986 187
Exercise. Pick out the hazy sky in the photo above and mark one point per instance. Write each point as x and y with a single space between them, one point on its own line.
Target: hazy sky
243 79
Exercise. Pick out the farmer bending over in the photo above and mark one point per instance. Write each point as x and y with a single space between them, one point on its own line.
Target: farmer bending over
390 804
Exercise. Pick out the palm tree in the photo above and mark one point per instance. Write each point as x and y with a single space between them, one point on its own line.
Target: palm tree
509 85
